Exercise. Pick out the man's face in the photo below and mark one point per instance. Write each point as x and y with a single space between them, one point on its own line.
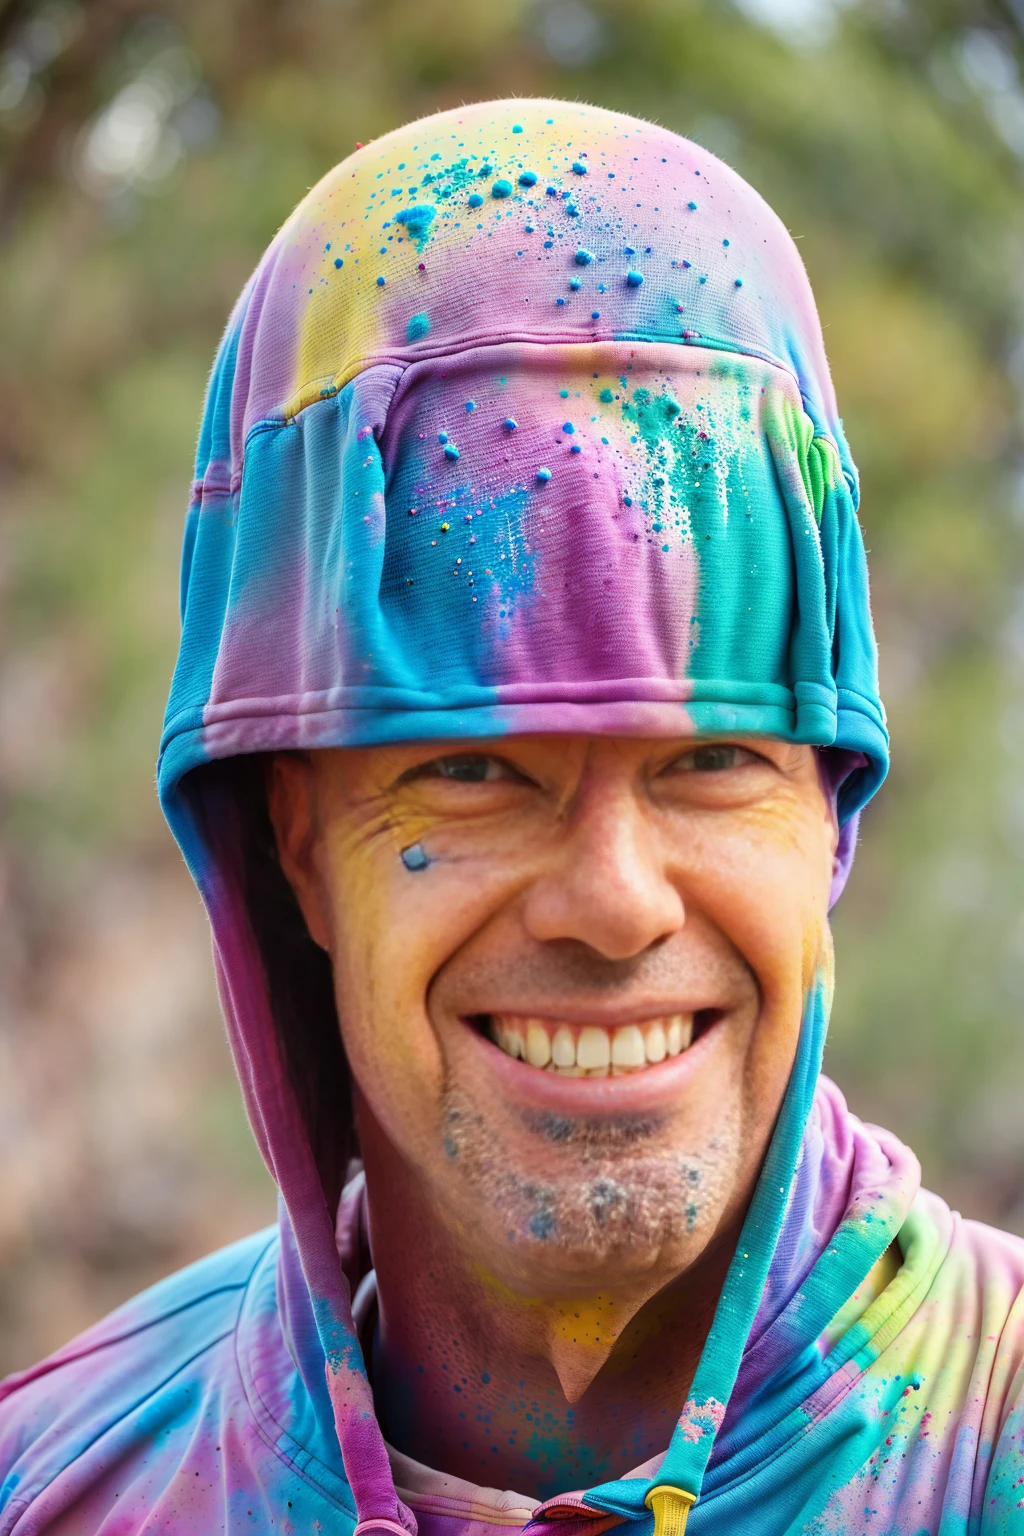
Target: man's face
574 1023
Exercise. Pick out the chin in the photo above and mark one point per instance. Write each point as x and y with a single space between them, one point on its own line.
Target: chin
586 1195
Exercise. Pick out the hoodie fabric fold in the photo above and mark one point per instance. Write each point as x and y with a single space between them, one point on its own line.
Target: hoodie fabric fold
524 425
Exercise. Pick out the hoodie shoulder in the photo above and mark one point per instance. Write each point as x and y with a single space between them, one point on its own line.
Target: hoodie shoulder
70 1423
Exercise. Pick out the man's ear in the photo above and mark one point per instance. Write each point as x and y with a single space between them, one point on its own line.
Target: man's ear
292 806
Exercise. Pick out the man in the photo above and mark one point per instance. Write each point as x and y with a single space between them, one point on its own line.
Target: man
525 708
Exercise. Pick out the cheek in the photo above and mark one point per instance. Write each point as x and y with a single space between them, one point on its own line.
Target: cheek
763 876
393 930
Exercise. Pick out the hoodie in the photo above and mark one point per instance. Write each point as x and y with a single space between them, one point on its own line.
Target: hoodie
524 424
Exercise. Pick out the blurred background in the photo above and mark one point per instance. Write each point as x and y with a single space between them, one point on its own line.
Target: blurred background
148 151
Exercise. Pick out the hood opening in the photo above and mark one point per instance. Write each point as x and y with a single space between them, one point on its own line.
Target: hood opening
297 972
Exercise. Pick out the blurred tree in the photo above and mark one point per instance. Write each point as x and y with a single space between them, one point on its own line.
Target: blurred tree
149 148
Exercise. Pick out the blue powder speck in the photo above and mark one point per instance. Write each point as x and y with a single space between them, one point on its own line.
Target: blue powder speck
575 284
579 169
725 242
528 179
510 423
634 279
517 127
442 437
470 405
501 189
380 282
568 427
595 314
418 327
475 200
563 394
450 451
739 282
414 858
338 262
691 204
575 448
583 258
543 475
557 301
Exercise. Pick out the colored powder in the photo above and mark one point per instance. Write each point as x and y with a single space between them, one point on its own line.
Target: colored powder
583 258
606 396
414 858
418 327
501 189
338 262
450 451
475 200
544 475
380 282
417 221
510 423
579 169
528 179
634 279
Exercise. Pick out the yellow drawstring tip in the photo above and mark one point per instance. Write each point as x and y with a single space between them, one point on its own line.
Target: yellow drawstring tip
670 1507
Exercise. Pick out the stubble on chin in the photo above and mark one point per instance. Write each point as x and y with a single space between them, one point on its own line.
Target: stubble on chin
611 1191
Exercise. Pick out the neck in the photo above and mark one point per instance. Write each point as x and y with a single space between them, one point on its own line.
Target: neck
541 1393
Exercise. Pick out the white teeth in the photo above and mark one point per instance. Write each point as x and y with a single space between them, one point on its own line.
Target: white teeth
628 1047
563 1048
592 1051
679 1033
654 1043
593 1048
538 1044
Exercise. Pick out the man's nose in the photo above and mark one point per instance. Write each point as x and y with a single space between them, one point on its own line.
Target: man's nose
606 884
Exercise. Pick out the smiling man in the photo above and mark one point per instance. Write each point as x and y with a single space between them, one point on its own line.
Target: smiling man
525 708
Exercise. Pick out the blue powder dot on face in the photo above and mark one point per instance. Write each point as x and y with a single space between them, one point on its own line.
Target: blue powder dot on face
418 327
442 437
630 250
687 263
634 279
583 258
551 191
475 200
530 228
572 210
703 278
575 448
563 394
664 549
739 282
595 314
517 127
338 262
579 169
725 242
575 284
528 179
380 282
415 858
510 423
450 451
557 301
607 396
601 288
501 189
543 475
548 244
691 204
470 405
568 427
627 501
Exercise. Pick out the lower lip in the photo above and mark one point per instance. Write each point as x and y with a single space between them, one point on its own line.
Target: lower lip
643 1092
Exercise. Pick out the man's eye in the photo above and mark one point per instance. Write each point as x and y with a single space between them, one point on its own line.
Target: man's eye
714 758
465 768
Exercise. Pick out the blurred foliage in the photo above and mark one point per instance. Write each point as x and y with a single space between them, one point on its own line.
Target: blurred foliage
150 149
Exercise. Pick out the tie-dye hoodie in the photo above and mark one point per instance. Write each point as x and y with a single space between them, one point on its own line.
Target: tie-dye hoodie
524 424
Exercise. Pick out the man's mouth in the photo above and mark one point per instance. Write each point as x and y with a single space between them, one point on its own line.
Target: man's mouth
592 1050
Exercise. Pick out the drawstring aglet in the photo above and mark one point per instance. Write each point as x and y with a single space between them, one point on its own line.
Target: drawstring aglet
671 1507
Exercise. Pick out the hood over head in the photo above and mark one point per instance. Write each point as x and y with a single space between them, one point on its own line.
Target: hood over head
523 424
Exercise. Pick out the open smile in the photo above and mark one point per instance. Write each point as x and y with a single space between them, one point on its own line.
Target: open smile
570 1049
